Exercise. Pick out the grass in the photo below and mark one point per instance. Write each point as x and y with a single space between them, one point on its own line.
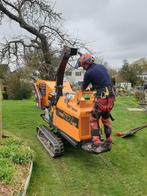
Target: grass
120 172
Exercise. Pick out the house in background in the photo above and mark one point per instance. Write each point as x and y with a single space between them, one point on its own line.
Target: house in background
121 83
143 76
74 76
125 85
142 62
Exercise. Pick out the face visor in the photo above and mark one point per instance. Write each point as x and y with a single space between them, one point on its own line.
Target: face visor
85 59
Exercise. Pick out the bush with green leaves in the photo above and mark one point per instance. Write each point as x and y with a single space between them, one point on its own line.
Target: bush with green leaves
11 141
13 151
17 87
23 155
7 151
5 95
6 171
139 95
16 151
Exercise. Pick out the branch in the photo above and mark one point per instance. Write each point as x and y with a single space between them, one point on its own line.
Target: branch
13 48
10 4
21 22
38 18
1 17
57 31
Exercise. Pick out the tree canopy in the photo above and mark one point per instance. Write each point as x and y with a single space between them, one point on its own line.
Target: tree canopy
131 72
44 24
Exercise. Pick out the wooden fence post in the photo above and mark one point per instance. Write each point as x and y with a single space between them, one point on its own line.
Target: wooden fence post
1 126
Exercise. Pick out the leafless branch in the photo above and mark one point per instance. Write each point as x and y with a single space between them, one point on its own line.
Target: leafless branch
40 19
10 4
15 48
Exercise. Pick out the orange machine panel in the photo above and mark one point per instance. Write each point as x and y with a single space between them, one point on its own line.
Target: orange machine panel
46 88
72 115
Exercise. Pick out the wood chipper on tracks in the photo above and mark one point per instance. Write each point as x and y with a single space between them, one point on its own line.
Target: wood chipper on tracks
67 113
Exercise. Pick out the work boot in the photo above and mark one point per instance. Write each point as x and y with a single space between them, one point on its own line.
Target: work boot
87 146
108 144
90 146
104 147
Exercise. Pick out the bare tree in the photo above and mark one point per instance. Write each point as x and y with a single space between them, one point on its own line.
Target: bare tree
39 18
35 67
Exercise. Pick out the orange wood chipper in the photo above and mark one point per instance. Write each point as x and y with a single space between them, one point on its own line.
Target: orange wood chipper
66 112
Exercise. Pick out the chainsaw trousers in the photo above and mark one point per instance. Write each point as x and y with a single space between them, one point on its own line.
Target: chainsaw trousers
99 116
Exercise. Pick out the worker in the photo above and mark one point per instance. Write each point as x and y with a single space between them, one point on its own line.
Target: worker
97 75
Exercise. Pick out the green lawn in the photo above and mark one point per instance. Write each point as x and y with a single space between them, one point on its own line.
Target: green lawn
121 172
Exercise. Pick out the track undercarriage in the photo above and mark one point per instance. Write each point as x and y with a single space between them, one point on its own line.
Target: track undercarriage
51 142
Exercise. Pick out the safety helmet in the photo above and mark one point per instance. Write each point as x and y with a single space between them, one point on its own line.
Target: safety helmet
85 58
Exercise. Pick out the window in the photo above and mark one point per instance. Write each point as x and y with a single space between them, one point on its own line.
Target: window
78 73
68 73
42 89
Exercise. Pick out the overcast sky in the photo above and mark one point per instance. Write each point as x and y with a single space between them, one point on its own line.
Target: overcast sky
113 29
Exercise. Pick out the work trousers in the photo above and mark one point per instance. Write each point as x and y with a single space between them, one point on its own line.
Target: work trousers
101 114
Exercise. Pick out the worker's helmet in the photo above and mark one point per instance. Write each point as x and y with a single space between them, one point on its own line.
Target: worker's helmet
85 58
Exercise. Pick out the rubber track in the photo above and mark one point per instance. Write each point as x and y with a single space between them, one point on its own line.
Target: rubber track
51 142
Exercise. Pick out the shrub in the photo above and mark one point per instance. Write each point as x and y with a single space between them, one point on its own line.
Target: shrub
23 155
12 151
6 151
18 88
11 141
139 95
5 96
6 171
16 151
25 90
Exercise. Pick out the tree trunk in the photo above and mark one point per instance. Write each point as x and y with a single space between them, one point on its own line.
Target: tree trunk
47 58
